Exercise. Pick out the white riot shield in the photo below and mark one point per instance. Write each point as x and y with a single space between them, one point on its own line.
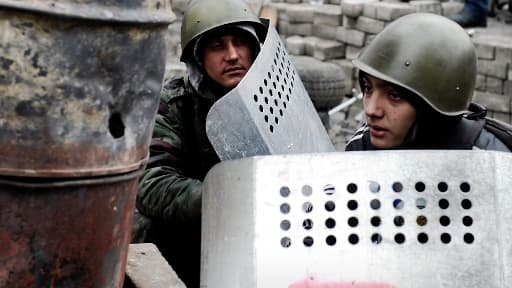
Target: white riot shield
269 112
404 219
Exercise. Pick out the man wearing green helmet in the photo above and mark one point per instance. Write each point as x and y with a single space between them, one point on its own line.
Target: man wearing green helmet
220 40
417 78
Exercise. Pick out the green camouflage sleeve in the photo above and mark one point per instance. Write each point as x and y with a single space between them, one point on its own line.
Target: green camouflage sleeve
164 191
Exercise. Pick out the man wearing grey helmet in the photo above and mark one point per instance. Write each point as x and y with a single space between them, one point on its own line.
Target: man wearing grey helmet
220 40
418 78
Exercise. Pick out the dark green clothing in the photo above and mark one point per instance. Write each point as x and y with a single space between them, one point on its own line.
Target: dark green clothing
170 188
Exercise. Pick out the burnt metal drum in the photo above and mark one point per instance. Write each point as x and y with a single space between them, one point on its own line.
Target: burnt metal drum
269 112
72 233
417 219
78 94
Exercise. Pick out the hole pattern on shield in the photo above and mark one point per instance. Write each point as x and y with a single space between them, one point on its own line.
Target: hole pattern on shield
355 213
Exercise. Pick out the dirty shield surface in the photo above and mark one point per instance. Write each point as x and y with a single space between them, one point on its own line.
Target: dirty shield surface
398 218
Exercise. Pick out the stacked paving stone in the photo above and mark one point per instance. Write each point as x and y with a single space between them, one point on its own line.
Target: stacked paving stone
338 32
494 78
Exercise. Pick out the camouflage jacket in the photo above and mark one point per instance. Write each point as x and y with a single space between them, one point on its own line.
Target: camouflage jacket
180 156
170 188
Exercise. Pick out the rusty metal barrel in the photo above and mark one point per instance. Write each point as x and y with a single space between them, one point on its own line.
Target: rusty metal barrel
65 233
78 84
79 88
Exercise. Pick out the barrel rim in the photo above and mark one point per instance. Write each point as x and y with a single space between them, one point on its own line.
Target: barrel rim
98 12
21 182
74 172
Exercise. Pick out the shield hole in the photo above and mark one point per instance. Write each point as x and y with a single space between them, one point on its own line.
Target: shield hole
420 186
399 221
442 187
308 241
446 238
399 238
330 223
376 238
330 206
465 187
467 221
444 204
421 220
353 222
423 238
352 205
444 221
329 189
307 224
330 240
375 221
307 207
286 242
285 225
353 239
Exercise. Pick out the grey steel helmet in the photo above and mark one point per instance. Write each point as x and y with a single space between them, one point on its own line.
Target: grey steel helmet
205 15
427 54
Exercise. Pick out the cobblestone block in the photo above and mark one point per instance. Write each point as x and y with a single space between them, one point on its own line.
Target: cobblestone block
295 45
303 13
350 36
504 54
328 49
451 8
370 25
493 102
349 22
484 50
427 6
480 82
507 88
352 8
368 39
309 45
391 11
324 31
146 268
328 15
304 29
282 27
494 85
493 68
370 9
351 52
503 45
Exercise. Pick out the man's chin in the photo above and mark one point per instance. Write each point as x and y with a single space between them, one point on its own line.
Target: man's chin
232 82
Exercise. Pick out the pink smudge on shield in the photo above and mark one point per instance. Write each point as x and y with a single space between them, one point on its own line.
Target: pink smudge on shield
312 283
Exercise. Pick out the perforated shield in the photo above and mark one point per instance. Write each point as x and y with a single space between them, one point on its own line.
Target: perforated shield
269 112
417 219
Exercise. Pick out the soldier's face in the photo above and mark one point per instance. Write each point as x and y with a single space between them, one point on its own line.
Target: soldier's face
227 59
389 116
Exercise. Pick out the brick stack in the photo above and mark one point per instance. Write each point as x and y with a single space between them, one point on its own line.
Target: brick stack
338 32
494 79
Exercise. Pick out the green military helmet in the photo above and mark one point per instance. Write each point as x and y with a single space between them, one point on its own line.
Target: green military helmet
427 54
205 15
